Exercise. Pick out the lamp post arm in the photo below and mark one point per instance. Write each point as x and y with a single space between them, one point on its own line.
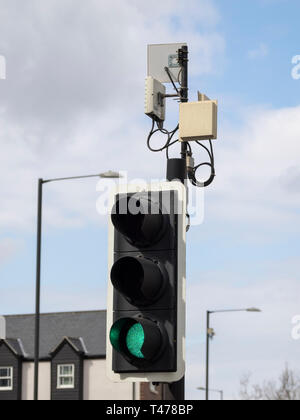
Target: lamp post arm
235 310
70 178
107 175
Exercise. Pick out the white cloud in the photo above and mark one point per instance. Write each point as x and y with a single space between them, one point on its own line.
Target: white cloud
260 52
257 171
8 248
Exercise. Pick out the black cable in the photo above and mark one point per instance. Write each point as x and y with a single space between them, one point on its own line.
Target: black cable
211 164
167 149
170 135
177 141
210 153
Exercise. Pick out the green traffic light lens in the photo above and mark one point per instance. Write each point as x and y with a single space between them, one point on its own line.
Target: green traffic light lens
139 340
135 339
126 335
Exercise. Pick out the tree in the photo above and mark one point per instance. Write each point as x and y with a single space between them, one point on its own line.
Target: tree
286 388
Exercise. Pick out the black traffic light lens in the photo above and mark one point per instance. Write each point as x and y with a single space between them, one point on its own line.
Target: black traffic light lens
139 219
138 339
139 280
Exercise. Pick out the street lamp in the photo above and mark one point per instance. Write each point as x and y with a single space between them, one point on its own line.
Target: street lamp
210 333
213 390
41 182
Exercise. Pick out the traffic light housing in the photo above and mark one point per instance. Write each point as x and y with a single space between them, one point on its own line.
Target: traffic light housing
146 285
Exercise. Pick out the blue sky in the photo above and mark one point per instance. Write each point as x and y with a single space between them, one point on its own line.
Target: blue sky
261 37
63 112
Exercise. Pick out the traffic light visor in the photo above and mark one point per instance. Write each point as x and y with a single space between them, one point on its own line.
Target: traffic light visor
139 280
139 219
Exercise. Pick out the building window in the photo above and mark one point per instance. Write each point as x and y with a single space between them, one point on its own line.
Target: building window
65 377
6 378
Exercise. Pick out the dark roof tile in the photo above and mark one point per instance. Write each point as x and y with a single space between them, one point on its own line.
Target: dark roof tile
14 345
90 326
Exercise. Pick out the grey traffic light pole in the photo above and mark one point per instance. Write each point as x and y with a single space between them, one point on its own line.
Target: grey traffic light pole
177 169
209 334
41 182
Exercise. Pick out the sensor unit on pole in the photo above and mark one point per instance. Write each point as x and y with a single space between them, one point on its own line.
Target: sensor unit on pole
198 120
155 101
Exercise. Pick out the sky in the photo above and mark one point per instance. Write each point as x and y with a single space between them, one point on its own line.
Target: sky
71 103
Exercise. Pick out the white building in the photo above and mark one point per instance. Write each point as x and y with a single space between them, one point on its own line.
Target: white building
72 359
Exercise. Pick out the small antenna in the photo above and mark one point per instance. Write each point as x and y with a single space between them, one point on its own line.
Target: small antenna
202 97
161 56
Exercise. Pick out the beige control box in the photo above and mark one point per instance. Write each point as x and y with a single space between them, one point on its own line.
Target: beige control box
198 120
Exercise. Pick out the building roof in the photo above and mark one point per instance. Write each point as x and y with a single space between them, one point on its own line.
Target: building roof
14 345
76 343
87 329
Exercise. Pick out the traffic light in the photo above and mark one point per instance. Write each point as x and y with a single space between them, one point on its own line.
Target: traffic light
146 286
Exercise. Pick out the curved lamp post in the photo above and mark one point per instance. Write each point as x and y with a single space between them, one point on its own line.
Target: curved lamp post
209 334
41 182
